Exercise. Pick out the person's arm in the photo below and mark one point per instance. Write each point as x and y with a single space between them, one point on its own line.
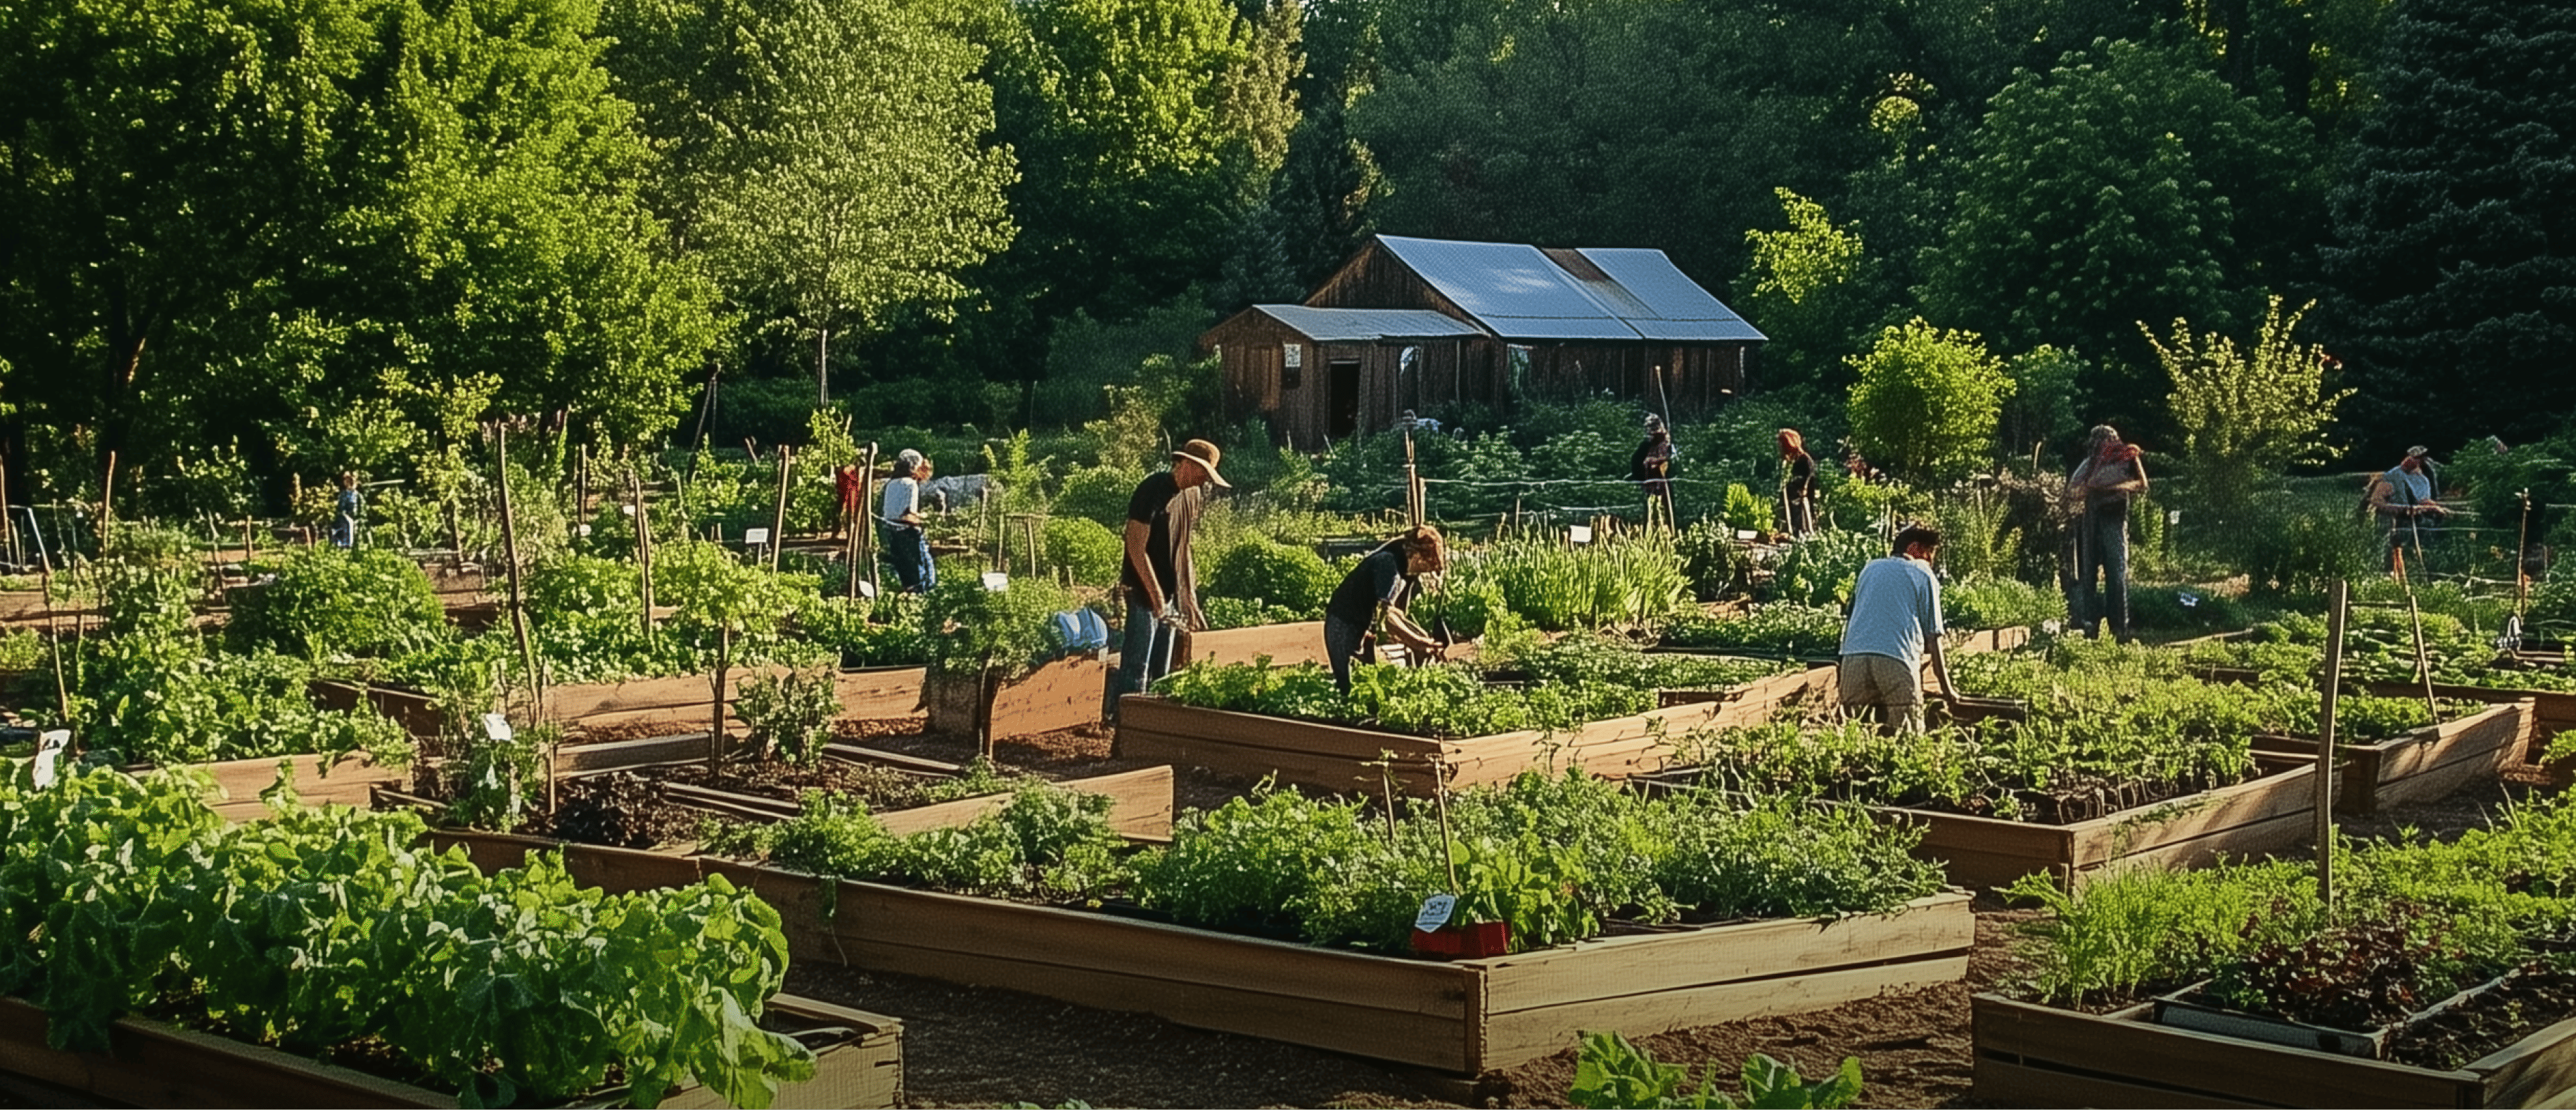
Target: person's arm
1933 629
2136 482
1405 631
912 505
1138 533
1940 668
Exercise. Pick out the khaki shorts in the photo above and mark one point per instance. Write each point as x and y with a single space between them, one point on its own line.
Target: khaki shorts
1882 687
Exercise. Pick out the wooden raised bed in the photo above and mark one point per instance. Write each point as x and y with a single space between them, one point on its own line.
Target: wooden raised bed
2269 812
1339 758
1285 644
2031 1055
1466 1017
870 692
153 1063
350 781
1066 693
2425 763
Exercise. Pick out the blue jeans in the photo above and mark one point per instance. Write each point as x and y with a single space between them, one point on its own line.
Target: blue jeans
2102 547
1144 653
1342 643
909 550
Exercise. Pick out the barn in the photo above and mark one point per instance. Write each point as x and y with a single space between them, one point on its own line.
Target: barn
1409 324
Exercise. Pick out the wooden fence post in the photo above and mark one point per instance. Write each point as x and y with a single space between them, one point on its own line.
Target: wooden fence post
778 519
2338 600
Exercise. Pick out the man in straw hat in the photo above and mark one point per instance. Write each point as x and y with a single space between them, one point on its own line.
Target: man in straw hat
1161 586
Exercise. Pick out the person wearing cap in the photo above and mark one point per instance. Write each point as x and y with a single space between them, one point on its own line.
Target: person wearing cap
1160 584
899 524
2402 497
1368 607
2099 491
1651 467
1798 483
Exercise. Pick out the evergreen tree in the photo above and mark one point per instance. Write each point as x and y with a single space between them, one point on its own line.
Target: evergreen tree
2455 272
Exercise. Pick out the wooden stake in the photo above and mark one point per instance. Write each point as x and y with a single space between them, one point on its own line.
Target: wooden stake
1029 528
510 552
643 549
715 721
2338 601
9 528
2521 554
107 503
2423 662
863 528
778 518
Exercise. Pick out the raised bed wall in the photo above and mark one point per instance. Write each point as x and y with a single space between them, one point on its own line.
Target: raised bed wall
2426 763
350 781
1339 758
873 692
1285 644
2270 812
152 1063
2031 1055
1066 693
1465 1017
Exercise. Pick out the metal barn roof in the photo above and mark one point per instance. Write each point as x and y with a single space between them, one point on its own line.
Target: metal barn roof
1367 325
1675 307
1604 293
1511 288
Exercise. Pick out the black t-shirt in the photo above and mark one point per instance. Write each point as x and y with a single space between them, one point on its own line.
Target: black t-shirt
1802 477
1167 511
1379 577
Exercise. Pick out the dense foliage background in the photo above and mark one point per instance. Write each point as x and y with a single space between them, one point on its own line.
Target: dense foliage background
247 242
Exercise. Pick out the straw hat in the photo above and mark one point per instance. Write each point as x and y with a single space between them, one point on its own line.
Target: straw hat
1206 455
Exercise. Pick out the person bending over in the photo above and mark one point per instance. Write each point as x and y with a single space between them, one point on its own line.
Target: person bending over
1369 604
1895 619
1160 583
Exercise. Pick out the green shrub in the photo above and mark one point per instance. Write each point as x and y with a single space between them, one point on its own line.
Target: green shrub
2192 609
1293 578
1013 630
1090 552
1098 494
1745 511
328 602
791 713
885 632
1822 569
2299 554
2001 603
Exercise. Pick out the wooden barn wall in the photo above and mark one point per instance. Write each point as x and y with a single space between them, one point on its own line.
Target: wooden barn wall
1375 278
1695 378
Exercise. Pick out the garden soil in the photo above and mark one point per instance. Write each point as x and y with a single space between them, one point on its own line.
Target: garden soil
967 1046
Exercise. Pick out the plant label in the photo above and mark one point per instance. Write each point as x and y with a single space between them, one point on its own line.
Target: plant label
1435 912
2173 516
1580 533
627 509
754 537
497 728
585 530
1746 533
2188 599
867 589
50 746
996 582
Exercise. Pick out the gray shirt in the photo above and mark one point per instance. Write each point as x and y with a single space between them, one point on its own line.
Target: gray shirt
1895 606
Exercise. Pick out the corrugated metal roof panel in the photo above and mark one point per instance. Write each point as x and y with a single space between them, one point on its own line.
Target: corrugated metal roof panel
1675 307
1367 325
1511 288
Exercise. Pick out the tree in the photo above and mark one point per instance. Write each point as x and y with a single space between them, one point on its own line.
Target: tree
1805 289
2047 390
2129 182
2454 263
834 160
2246 419
1927 401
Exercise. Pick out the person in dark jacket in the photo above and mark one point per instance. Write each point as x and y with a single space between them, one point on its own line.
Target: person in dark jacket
1798 487
1651 467
1369 604
2099 491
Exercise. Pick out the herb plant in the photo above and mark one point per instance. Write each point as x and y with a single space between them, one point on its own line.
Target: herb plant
1612 1074
1779 629
790 713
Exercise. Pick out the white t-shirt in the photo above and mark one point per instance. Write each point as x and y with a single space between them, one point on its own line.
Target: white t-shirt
903 495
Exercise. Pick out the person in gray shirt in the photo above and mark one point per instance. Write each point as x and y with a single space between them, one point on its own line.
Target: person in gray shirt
1895 619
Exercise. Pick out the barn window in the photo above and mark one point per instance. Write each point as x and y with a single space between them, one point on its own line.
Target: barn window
1292 365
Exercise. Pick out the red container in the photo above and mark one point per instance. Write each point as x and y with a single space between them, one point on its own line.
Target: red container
1438 942
1484 938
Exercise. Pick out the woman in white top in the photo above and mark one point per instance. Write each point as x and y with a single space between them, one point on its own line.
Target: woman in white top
899 524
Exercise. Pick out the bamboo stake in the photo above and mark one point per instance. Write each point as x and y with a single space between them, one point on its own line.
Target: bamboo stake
1029 529
2521 557
643 549
2338 601
716 720
107 503
863 528
2423 663
778 518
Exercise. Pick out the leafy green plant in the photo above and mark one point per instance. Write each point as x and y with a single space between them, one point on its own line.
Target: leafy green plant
1012 630
324 929
1716 566
790 713
326 602
1821 569
1084 549
1610 1073
2000 603
1591 657
1745 510
1442 700
1631 578
885 632
1781 629
1294 578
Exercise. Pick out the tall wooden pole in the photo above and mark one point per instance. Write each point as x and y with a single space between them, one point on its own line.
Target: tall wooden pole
107 503
510 552
716 718
863 527
643 549
778 519
2521 556
9 528
2338 601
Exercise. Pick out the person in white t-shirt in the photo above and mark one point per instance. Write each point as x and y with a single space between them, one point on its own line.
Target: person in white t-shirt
899 524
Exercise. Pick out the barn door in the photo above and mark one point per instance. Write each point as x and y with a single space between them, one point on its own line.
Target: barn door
1346 398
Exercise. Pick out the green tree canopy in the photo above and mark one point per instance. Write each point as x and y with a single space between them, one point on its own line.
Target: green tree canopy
1927 401
2455 257
2128 183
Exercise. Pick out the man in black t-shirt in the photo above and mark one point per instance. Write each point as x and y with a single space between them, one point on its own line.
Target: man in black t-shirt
1374 594
1160 584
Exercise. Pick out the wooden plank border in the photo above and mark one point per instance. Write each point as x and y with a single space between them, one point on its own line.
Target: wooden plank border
1339 758
2033 1055
1443 1016
2265 813
2425 763
153 1063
